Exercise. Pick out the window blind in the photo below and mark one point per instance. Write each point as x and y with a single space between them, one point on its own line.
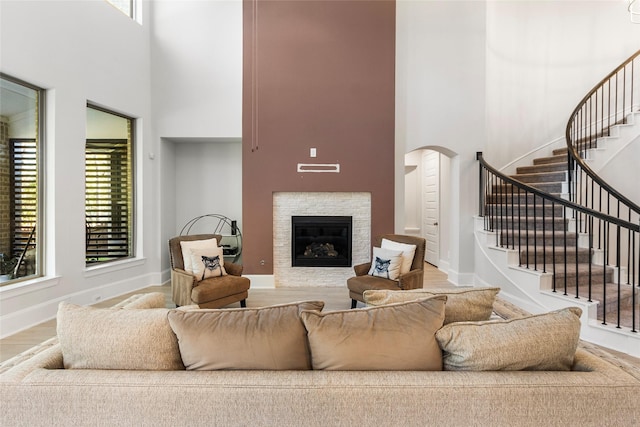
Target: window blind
24 203
108 200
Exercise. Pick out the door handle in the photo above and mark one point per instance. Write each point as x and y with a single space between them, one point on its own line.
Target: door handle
435 223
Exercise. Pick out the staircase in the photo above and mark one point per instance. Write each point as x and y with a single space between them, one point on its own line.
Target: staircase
556 233
547 241
534 250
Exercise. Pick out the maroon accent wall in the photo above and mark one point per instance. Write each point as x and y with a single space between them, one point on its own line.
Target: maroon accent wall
317 73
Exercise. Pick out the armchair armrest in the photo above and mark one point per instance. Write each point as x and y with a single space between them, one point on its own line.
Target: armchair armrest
182 275
411 280
233 269
362 269
181 285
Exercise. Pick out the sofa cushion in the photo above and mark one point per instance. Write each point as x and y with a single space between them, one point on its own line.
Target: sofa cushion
220 287
111 338
544 342
386 263
393 337
271 338
408 252
463 304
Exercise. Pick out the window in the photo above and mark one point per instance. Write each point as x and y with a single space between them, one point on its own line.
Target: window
108 186
125 6
20 180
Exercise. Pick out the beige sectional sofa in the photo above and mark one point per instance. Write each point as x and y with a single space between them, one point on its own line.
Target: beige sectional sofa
36 390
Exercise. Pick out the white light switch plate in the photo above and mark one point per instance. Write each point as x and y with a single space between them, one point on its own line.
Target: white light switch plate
312 152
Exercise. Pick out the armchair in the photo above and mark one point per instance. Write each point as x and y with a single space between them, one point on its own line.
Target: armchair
212 292
412 280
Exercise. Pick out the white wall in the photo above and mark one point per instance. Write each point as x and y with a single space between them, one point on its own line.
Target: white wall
199 176
445 213
208 180
542 58
440 104
197 68
166 222
196 91
625 160
79 52
413 171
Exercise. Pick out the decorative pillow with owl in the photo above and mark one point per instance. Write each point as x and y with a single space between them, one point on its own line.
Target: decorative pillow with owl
408 252
386 263
207 263
189 245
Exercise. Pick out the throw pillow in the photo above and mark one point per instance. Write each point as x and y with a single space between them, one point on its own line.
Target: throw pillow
408 252
188 245
463 304
271 338
207 263
112 338
386 263
543 342
394 337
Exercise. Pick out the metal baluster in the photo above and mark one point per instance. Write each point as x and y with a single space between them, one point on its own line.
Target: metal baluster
604 274
618 272
535 235
590 256
564 228
553 251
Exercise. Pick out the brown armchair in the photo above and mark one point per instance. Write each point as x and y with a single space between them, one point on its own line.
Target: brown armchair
212 292
414 279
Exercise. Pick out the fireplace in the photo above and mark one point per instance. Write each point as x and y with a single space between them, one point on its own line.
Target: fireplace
321 241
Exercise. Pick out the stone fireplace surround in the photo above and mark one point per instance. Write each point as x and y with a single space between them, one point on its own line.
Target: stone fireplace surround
287 204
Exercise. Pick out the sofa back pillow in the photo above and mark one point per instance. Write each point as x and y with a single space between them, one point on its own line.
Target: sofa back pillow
111 338
396 337
463 304
542 342
271 338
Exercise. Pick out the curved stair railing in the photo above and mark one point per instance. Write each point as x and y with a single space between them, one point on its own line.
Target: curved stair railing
609 103
591 242
539 226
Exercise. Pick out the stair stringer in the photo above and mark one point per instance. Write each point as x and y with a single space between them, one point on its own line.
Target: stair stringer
545 150
532 291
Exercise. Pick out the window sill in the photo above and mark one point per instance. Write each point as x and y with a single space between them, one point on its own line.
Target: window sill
97 270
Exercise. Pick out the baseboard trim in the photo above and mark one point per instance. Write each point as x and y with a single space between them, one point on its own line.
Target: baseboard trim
460 279
261 281
31 316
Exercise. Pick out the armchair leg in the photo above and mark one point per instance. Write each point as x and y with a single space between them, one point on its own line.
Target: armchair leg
243 303
354 303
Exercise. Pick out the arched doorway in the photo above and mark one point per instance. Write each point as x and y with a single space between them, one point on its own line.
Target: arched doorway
427 175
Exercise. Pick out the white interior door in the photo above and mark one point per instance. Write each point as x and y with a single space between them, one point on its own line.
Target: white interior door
431 207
